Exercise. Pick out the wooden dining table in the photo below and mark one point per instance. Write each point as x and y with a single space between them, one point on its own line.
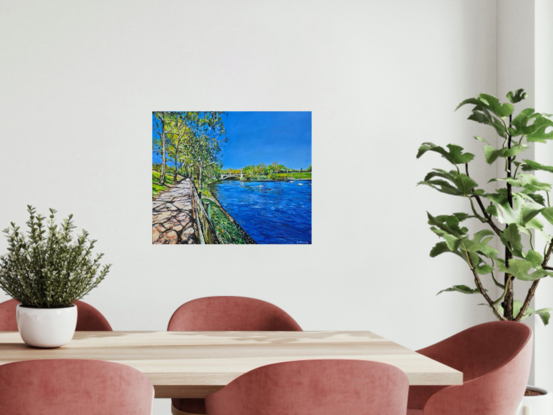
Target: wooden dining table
195 364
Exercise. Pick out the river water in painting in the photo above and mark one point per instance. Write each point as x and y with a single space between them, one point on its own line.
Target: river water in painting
270 212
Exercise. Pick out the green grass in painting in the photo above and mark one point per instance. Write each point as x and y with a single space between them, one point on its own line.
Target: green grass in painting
158 188
226 230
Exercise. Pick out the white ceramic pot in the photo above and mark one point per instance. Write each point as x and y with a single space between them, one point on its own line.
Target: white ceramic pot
536 405
46 327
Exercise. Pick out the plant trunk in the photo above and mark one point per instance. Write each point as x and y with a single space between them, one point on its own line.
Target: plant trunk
509 279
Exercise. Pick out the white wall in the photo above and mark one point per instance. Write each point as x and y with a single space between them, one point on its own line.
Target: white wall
79 81
544 155
525 60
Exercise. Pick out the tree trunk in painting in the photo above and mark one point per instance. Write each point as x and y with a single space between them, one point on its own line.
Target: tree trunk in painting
176 163
162 175
200 181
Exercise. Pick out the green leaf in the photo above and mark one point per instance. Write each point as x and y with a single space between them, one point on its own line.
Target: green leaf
519 268
473 101
493 104
517 96
482 139
491 154
531 165
448 224
464 183
544 315
452 242
456 184
548 214
534 258
541 130
482 234
522 213
543 312
537 131
478 244
511 238
483 116
513 151
492 210
489 252
484 269
461 289
461 216
529 212
438 173
533 224
442 186
519 124
455 154
536 275
499 198
438 249
527 181
536 197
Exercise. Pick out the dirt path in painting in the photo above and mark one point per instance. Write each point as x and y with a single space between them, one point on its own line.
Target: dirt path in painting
172 216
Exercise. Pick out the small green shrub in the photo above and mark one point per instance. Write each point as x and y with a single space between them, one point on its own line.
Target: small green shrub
48 268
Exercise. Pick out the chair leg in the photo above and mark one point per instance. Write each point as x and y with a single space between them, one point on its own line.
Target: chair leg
176 411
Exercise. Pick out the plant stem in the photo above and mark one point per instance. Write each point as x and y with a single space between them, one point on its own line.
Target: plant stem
532 289
488 217
482 290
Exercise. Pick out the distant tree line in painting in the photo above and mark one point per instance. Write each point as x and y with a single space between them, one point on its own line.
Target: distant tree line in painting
274 171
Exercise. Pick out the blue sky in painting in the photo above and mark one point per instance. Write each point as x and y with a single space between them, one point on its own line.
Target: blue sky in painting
264 137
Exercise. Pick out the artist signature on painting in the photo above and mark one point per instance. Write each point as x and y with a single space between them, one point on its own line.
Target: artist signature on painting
303 242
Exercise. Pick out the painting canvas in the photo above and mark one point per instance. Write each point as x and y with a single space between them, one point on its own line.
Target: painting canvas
231 177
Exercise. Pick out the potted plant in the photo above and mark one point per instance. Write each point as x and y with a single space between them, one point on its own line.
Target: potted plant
47 271
512 214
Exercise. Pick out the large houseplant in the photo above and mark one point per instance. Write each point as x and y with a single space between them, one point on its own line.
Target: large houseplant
512 214
47 270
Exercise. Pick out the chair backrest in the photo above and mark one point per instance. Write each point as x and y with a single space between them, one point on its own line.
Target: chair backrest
314 387
231 314
88 318
69 387
8 321
482 348
495 360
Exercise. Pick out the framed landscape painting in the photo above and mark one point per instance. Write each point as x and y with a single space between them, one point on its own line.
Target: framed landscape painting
231 177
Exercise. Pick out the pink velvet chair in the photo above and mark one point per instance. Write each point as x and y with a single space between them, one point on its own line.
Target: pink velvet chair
72 387
314 387
88 318
225 314
495 360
